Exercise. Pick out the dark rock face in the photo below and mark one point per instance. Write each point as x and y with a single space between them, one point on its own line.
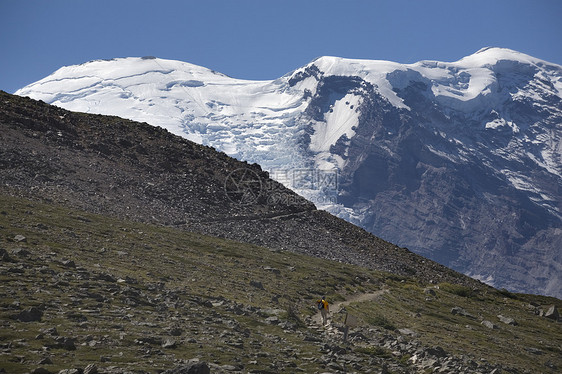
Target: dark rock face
446 184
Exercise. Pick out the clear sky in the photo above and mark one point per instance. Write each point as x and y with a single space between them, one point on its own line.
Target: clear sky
263 39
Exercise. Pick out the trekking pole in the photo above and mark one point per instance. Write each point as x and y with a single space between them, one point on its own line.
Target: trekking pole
345 329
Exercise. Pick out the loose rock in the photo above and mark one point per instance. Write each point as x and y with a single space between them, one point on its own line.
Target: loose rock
193 368
489 325
91 369
552 313
460 311
4 256
20 238
507 320
32 314
169 343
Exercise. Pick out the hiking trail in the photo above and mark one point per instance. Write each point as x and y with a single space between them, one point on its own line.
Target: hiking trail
354 298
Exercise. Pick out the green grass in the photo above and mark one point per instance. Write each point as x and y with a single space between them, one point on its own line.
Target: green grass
456 289
177 274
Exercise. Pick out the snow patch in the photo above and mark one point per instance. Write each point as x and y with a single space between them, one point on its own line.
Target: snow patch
341 119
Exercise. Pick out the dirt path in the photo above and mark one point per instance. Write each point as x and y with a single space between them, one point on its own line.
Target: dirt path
355 298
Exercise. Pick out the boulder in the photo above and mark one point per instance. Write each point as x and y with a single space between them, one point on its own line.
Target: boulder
461 312
4 256
407 332
152 340
32 314
436 351
45 361
176 331
429 291
21 252
52 331
65 343
68 263
169 343
40 371
257 284
272 320
192 368
489 325
552 313
507 320
91 369
20 238
71 371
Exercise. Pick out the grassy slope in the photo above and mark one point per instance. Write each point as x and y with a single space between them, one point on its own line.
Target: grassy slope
208 290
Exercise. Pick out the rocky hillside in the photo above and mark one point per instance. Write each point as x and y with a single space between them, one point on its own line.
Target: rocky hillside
112 166
81 292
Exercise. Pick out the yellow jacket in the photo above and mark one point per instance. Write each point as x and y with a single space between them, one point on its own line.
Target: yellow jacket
325 304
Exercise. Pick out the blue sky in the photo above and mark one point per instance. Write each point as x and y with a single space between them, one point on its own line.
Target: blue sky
261 39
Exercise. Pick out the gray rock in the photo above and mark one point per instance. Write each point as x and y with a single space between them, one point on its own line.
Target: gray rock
507 320
460 311
4 256
169 343
152 340
70 371
534 351
91 369
552 313
32 314
176 331
228 368
273 270
489 325
69 264
20 238
407 332
193 368
66 343
272 320
40 371
52 331
105 277
20 252
45 361
436 351
257 284
429 291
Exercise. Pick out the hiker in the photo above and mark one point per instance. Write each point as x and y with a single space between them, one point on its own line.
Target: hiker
324 309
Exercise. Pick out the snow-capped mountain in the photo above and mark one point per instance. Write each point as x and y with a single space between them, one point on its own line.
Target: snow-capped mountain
460 161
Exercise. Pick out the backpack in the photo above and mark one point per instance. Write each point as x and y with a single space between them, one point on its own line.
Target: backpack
320 305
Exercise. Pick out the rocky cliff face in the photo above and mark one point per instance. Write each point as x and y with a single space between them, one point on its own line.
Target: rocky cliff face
459 161
452 186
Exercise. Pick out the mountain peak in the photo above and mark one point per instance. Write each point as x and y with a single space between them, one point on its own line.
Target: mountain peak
491 55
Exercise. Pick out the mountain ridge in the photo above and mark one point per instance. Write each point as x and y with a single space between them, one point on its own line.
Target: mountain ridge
489 123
